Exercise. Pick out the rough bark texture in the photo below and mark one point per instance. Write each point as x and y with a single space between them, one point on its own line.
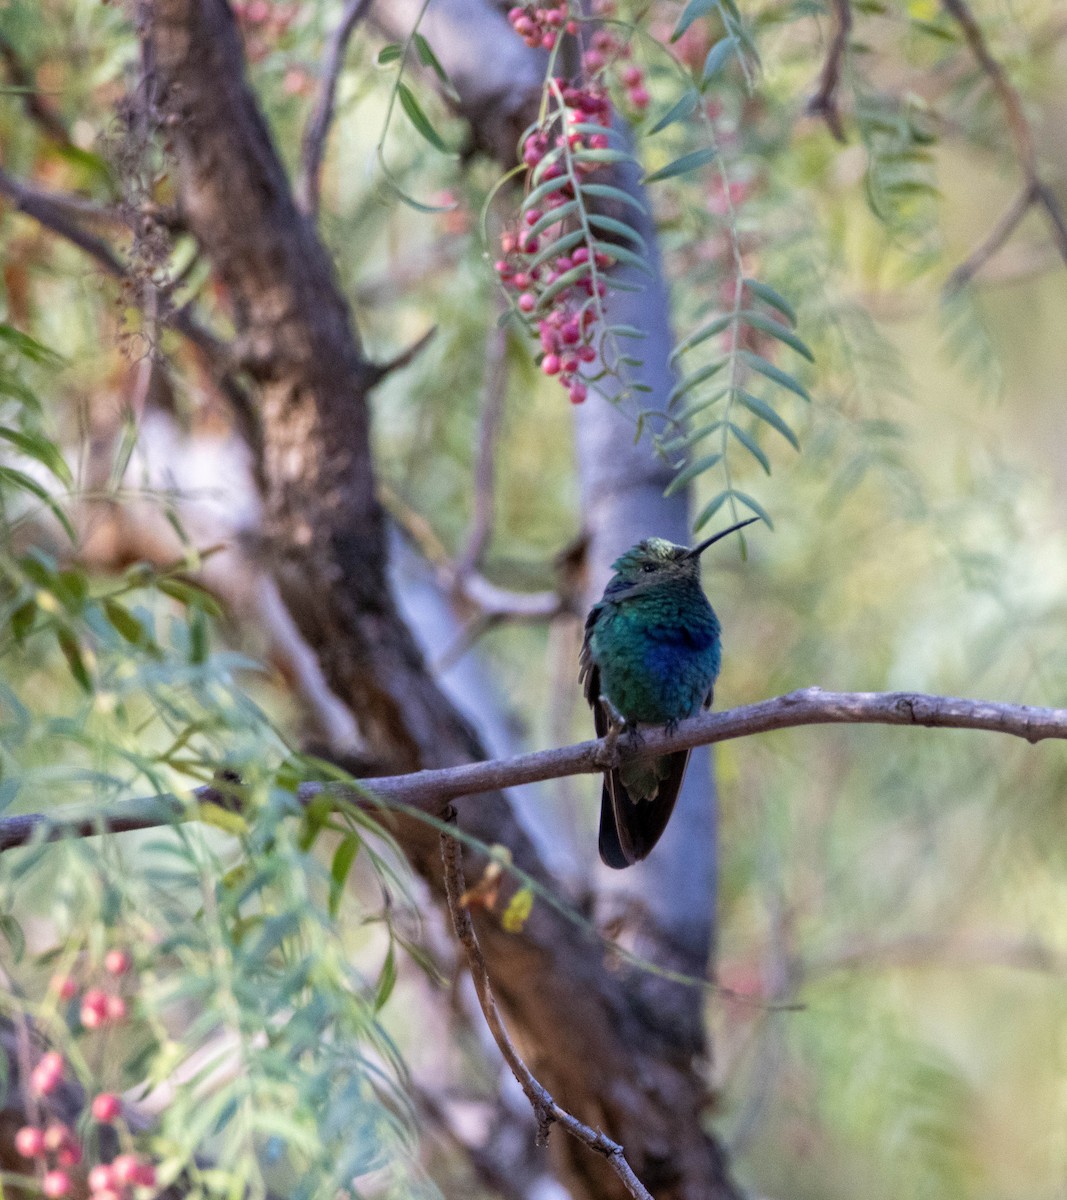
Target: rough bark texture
591 1038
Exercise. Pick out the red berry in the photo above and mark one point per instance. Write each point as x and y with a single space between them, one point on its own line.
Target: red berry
116 1008
556 17
639 97
548 41
101 1178
515 13
124 1170
586 353
29 1141
106 1107
632 76
93 1010
55 1183
578 392
117 962
592 60
65 986
145 1175
527 302
550 364
532 216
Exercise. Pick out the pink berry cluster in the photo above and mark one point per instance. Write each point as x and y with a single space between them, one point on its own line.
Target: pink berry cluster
54 1146
541 27
567 322
607 56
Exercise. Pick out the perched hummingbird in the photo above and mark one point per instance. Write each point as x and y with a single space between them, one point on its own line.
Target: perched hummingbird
650 655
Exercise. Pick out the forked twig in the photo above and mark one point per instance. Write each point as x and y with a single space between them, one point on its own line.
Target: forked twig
546 1110
824 102
1036 191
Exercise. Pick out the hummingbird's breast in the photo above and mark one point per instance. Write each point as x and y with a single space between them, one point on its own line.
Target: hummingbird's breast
658 654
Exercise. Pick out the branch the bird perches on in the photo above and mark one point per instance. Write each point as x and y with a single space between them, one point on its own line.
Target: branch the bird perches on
432 791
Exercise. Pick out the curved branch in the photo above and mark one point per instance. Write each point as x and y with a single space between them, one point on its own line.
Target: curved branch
431 790
546 1110
824 102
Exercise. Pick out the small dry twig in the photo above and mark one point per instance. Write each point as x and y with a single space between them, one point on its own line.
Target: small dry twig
1035 191
824 103
318 126
546 1110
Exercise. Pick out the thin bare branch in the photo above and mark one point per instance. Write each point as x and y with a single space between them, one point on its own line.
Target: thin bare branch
546 1110
378 371
37 109
998 235
433 790
824 103
494 392
318 126
59 213
1036 190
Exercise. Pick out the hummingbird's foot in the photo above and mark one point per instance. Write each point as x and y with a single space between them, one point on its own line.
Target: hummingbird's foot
608 756
671 727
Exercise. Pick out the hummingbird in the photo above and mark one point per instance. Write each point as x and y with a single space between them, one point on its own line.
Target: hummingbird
650 655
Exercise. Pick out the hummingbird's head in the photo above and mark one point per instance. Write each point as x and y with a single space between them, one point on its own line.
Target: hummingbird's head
655 560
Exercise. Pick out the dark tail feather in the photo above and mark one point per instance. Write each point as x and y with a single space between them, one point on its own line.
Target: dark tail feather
630 828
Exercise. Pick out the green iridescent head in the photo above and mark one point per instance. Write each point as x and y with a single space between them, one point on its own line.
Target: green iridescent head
656 560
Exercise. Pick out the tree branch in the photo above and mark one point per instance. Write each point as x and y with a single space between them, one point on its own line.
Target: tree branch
318 126
431 791
546 1110
40 112
1036 190
824 102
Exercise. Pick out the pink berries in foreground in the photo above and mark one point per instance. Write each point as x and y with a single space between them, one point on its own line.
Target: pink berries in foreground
101 1178
106 1107
55 1183
127 1169
29 1141
48 1074
117 962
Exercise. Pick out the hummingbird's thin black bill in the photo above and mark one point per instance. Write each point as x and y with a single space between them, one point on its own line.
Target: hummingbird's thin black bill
700 547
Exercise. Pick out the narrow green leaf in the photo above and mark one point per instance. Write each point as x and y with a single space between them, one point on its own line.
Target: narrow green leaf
419 119
27 483
628 331
693 11
389 54
606 155
699 406
611 225
386 980
687 474
553 217
723 50
760 408
677 112
710 509
752 503
29 347
701 335
777 330
751 445
429 59
607 191
767 369
769 296
68 644
683 165
533 200
39 448
695 380
626 255
566 280
189 594
690 439
128 627
559 246
343 858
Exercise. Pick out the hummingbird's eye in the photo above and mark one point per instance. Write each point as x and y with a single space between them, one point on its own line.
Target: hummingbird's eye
646 567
